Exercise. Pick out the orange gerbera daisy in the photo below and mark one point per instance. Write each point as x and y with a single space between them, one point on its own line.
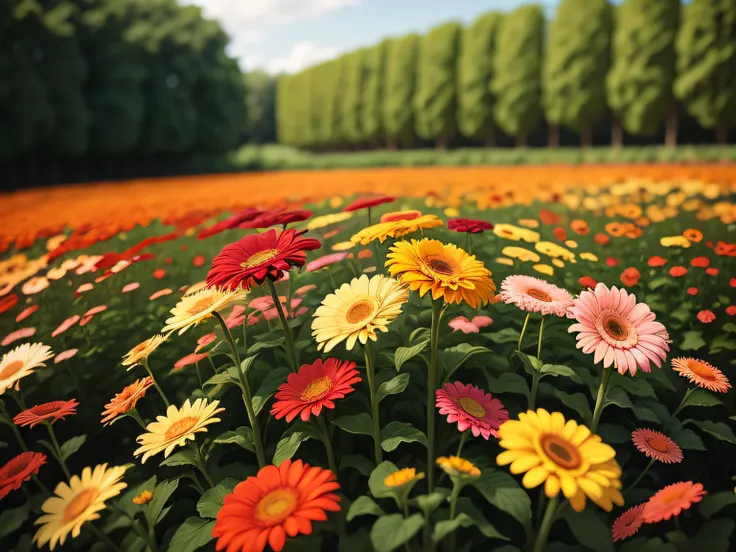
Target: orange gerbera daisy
672 500
693 235
53 411
628 523
615 229
701 373
579 226
277 502
657 445
125 401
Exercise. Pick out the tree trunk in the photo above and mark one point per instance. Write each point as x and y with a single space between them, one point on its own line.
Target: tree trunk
491 137
670 133
722 133
586 137
617 134
521 140
553 136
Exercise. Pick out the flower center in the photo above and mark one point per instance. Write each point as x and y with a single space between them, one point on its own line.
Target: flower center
140 347
671 495
359 311
79 504
276 506
440 266
260 258
539 295
658 444
702 370
180 427
201 305
316 389
472 407
11 369
561 452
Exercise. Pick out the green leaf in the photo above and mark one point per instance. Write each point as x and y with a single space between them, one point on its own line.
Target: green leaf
393 387
72 446
364 506
641 544
247 362
288 445
429 503
531 363
396 433
161 493
636 386
508 382
507 335
357 462
466 506
692 341
714 536
184 457
390 532
611 433
444 528
260 345
229 376
242 436
405 354
619 397
700 397
268 388
559 370
453 358
589 530
502 490
376 484
359 424
213 499
11 520
715 502
719 430
191 535
687 439
577 402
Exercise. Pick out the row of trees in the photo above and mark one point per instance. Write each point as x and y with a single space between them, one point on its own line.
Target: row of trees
636 65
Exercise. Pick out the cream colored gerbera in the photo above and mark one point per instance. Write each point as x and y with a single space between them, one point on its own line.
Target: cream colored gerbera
178 426
21 362
141 352
198 306
357 310
75 503
194 288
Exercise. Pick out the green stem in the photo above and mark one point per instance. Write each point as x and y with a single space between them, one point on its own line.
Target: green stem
212 363
199 376
463 438
535 373
641 476
245 389
328 444
133 413
202 466
57 450
469 243
453 507
598 410
291 351
105 539
546 526
144 363
431 388
682 403
523 330
370 369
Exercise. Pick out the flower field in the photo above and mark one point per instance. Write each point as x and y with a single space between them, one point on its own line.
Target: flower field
419 359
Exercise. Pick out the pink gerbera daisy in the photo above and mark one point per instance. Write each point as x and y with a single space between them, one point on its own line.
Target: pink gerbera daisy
657 445
65 325
628 523
672 500
618 330
534 295
472 408
18 334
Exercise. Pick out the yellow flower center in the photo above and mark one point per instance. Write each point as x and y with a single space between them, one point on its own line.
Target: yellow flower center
276 506
359 311
671 495
11 369
560 451
316 389
202 304
181 427
539 295
658 444
79 504
616 328
440 266
472 407
140 347
699 369
260 258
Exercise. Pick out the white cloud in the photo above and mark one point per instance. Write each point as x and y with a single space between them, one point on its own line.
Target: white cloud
302 55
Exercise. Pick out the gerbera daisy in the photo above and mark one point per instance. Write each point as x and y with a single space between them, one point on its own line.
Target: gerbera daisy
325 260
25 313
53 411
368 203
471 408
470 326
562 455
125 401
535 295
18 334
21 362
458 467
400 215
7 303
471 226
357 310
178 426
275 503
65 355
672 500
628 523
702 373
256 257
77 502
193 309
142 351
396 229
445 270
313 387
657 445
401 477
706 316
65 325
18 470
618 330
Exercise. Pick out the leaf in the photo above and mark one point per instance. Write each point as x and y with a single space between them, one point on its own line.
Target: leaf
405 354
242 436
502 490
687 439
213 499
700 397
719 430
508 382
288 445
260 345
247 362
636 386
714 536
396 433
72 446
453 358
357 462
161 493
11 520
507 335
191 535
376 481
577 402
359 424
429 503
393 386
559 370
531 363
229 376
715 502
390 532
611 433
184 457
692 341
444 528
268 388
589 530
466 506
364 506
619 397
641 544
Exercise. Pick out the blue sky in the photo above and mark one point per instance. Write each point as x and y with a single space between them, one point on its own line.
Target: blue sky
288 35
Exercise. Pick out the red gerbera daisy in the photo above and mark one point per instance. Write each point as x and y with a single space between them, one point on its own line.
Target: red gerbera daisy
313 387
471 408
368 202
256 257
672 500
628 523
54 411
274 218
7 303
276 503
656 261
657 445
26 313
472 226
18 470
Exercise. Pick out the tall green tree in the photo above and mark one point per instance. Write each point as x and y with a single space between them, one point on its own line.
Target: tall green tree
398 90
302 93
639 84
577 59
475 73
260 100
517 67
351 106
706 64
435 100
285 112
374 78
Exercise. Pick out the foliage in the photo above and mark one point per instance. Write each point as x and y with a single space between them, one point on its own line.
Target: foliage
399 88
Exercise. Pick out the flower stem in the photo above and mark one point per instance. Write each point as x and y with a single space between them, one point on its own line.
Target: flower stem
133 413
199 376
682 403
104 538
468 243
202 466
144 363
57 450
290 349
544 528
535 373
434 338
370 369
641 476
453 507
598 410
328 444
523 330
463 438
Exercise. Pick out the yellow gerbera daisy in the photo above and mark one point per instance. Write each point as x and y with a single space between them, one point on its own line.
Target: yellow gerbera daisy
194 288
395 229
511 232
21 362
194 308
553 250
343 246
586 256
520 253
456 466
75 503
675 241
326 220
141 352
562 455
357 310
444 269
401 477
178 426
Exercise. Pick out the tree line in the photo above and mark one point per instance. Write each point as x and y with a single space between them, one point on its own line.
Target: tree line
636 67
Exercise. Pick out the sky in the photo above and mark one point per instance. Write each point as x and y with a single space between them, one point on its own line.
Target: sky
285 36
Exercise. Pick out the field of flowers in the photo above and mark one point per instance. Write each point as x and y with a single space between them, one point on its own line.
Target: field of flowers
445 359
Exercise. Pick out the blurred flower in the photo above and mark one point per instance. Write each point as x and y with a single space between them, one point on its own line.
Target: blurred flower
677 271
601 239
188 360
529 223
656 261
731 310
7 303
401 477
560 233
711 271
514 233
589 257
693 235
397 229
18 334
82 288
35 285
143 498
470 326
368 202
324 261
159 273
400 215
630 276
610 261
65 325
700 262
471 408
587 282
706 316
198 261
160 293
131 287
675 241
521 253
579 226
56 273
471 226
548 217
25 313
65 355
553 250
455 466
544 269
692 291
143 350
327 220
280 217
